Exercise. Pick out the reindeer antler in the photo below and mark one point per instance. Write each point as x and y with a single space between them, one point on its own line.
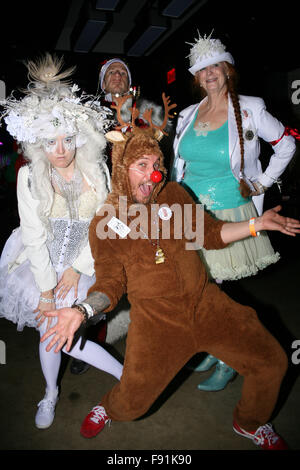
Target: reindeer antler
120 100
148 114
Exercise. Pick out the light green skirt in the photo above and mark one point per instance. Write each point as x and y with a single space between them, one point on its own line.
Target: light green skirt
243 258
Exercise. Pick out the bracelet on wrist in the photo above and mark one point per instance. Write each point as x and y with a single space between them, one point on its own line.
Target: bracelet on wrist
90 311
82 310
76 270
47 301
253 232
85 309
260 187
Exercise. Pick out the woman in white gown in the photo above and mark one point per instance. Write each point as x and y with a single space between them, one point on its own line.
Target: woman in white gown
46 263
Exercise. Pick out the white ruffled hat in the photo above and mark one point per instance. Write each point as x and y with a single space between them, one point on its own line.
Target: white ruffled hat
206 51
53 107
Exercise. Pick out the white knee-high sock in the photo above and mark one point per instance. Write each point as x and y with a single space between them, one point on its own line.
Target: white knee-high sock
92 353
50 363
98 357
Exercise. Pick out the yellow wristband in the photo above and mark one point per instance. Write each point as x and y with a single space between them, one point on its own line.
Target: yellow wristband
252 228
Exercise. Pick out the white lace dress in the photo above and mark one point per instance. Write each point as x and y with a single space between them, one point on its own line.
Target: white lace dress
19 293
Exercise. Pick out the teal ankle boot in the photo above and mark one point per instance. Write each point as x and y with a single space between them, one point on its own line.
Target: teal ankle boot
206 364
219 379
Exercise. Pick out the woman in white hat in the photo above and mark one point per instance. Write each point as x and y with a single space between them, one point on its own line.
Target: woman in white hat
217 160
47 263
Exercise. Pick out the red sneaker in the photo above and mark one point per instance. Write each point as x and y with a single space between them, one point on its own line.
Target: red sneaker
264 436
94 422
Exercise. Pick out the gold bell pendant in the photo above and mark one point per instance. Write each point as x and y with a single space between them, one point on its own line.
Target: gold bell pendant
159 256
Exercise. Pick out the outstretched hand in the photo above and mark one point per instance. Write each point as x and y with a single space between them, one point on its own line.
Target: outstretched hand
272 220
69 320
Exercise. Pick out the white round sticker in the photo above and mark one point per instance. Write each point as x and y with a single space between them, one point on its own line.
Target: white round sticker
165 213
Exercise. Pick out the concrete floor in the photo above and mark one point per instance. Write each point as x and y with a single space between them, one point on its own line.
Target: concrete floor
183 417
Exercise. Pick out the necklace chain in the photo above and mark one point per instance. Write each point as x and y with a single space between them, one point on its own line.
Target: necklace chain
159 254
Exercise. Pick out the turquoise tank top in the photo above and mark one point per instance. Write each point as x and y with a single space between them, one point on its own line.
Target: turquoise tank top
208 176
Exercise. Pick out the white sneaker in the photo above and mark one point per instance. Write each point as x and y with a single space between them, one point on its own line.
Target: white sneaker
46 412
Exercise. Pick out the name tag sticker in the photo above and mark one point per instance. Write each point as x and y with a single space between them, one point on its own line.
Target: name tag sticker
118 227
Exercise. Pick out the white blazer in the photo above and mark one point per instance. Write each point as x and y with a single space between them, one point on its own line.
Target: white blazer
257 123
34 236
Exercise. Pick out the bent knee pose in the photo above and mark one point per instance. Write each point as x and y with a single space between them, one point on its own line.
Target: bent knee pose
175 311
47 262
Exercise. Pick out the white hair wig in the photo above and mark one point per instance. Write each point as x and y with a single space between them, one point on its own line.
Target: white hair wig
53 107
89 158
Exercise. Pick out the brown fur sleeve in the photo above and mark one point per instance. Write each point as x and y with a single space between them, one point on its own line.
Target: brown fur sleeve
110 273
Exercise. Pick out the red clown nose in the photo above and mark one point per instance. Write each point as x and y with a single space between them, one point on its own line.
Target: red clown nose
156 176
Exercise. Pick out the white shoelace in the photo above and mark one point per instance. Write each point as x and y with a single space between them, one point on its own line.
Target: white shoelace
265 432
47 404
99 414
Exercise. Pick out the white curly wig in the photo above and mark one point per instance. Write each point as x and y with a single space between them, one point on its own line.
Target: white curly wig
52 107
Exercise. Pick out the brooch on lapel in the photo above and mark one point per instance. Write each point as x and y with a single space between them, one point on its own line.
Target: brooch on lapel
249 134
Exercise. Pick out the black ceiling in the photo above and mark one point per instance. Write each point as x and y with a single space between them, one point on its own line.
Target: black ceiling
262 36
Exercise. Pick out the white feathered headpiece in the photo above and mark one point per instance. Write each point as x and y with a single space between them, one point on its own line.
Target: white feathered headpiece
206 51
52 107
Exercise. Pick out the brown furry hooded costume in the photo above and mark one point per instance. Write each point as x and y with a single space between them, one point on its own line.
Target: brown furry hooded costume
141 142
175 311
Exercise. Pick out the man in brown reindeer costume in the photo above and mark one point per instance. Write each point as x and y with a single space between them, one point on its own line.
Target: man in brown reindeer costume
175 311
